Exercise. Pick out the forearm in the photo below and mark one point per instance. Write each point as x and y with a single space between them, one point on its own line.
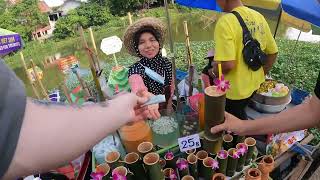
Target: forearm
271 59
300 117
47 130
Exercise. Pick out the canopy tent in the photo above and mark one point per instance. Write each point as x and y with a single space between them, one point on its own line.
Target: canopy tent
9 41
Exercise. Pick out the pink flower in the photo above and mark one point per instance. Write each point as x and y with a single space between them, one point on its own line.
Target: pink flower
243 149
173 176
97 175
116 176
222 154
222 84
169 156
235 155
214 164
182 164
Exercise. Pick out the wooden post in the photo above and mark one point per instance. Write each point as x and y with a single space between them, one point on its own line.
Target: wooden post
189 57
92 66
93 41
66 92
130 18
34 89
44 91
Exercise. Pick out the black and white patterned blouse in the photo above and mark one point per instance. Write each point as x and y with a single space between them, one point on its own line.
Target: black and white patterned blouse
158 64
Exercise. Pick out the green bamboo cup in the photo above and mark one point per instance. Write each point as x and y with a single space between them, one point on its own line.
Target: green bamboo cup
201 155
145 148
219 176
227 141
207 168
213 110
153 167
232 162
242 155
169 174
113 159
193 165
251 143
105 169
135 165
188 177
170 161
123 171
212 146
184 171
222 158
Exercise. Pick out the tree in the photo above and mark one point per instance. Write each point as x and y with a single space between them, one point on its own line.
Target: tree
121 7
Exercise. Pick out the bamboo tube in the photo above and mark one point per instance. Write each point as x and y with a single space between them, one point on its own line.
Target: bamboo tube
152 165
219 176
145 148
232 162
192 151
253 174
169 174
212 146
92 66
130 18
34 89
43 90
266 166
121 170
214 110
193 166
105 169
135 165
113 159
222 158
251 143
163 163
187 177
183 171
201 155
208 171
227 141
242 158
189 57
93 41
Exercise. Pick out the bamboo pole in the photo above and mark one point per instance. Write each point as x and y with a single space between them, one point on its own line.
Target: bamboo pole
130 18
82 83
93 41
43 89
92 67
34 89
66 92
189 57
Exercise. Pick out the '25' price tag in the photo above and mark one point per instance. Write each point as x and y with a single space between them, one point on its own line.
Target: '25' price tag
189 142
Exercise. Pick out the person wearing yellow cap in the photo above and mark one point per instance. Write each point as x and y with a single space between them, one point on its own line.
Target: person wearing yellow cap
244 76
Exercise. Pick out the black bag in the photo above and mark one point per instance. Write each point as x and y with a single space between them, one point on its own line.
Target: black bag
253 56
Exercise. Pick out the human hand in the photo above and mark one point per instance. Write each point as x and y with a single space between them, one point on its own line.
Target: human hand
153 108
231 123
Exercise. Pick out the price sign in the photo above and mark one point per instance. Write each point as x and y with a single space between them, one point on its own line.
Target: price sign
189 142
111 45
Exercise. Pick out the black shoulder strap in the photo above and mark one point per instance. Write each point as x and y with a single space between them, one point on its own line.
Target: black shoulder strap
243 25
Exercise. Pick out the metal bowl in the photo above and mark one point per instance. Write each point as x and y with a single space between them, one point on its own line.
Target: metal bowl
264 108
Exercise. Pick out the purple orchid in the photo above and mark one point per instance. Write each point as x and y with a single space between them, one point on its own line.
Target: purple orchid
182 164
214 164
222 154
169 156
97 175
116 176
222 84
242 149
173 176
235 154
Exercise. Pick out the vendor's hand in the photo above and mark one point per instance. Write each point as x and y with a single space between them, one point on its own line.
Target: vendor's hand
153 108
129 106
231 123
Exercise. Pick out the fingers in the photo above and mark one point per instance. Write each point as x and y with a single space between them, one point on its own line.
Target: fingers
141 100
218 128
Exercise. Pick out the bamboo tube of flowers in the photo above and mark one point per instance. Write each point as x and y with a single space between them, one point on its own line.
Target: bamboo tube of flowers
212 146
222 158
153 167
193 166
219 176
214 110
188 177
210 165
113 159
201 155
170 174
232 162
183 167
227 141
242 149
170 160
266 166
251 143
163 163
253 174
135 165
120 173
145 148
105 171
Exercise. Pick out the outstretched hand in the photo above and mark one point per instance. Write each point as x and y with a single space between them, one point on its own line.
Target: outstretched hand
153 108
232 124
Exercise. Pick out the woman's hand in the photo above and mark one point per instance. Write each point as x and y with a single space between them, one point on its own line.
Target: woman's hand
153 109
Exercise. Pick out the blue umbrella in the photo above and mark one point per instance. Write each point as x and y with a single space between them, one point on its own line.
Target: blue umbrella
308 10
202 4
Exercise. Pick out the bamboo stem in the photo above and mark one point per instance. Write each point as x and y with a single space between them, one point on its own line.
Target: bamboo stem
92 66
82 83
189 57
66 92
43 90
130 18
34 89
93 41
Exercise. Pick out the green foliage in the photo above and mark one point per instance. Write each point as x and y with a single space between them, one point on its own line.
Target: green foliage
121 7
